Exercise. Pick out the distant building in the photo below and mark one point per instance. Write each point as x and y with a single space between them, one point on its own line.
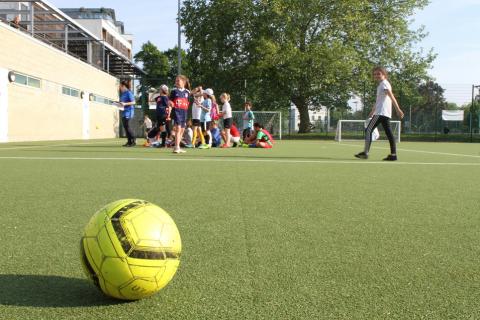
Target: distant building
59 75
317 115
104 25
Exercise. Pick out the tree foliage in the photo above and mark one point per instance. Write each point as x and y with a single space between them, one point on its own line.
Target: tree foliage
161 68
309 52
155 64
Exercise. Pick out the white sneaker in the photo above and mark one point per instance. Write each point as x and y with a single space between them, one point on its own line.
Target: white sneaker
179 151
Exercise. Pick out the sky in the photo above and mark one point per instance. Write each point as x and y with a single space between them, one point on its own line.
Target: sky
453 27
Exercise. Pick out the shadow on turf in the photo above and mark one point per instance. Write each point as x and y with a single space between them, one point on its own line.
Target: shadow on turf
50 291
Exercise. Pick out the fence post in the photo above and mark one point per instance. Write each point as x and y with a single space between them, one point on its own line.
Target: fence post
471 113
280 125
436 121
364 99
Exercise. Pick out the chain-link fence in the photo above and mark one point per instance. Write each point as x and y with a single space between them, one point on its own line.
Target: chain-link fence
453 117
136 124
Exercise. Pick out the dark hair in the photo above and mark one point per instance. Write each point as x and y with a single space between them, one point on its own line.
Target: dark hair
126 84
258 125
248 103
382 70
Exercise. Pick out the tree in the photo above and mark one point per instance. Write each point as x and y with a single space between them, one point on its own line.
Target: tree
172 57
473 114
309 52
155 63
432 101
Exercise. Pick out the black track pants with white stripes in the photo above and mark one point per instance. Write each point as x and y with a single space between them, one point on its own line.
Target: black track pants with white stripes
375 122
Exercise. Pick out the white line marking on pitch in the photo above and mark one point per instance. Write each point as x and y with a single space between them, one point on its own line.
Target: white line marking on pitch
246 161
57 145
417 151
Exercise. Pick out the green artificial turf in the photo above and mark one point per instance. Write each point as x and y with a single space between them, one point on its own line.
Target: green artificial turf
303 231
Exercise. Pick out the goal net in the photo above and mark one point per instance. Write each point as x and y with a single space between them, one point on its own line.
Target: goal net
355 130
271 120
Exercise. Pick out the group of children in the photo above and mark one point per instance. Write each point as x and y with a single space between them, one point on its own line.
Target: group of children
201 130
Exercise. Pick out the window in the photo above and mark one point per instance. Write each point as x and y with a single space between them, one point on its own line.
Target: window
21 79
71 92
27 80
101 99
33 82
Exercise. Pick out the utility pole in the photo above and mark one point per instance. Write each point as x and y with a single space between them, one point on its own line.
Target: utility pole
364 99
245 90
179 38
472 109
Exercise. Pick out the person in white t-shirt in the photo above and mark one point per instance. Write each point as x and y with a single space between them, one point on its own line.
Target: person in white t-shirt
381 114
147 124
227 116
187 141
197 115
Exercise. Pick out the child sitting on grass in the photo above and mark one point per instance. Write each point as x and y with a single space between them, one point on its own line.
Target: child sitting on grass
260 139
215 134
235 135
187 141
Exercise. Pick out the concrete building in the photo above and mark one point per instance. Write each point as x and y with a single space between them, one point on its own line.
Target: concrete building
58 79
103 24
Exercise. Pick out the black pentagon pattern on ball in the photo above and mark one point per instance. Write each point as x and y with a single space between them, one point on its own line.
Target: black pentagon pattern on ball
125 242
93 276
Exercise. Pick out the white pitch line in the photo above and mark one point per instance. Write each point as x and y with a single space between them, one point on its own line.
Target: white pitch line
57 145
418 151
360 162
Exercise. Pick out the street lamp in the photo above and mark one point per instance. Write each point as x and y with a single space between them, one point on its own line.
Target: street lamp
472 108
179 38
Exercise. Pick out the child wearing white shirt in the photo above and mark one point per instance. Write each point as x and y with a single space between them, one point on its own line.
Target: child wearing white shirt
381 114
227 118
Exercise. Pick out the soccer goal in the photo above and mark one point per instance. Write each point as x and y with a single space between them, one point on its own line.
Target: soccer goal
355 130
271 120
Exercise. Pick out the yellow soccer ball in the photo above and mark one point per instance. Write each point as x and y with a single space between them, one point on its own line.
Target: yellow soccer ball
130 249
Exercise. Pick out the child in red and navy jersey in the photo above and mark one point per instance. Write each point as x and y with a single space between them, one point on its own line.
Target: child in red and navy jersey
162 125
179 99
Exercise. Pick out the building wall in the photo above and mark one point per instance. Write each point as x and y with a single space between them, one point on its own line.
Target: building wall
92 25
46 113
96 26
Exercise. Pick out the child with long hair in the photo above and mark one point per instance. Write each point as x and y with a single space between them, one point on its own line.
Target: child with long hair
381 114
179 100
197 115
227 116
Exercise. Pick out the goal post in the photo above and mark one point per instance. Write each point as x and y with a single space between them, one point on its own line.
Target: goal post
271 120
355 130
